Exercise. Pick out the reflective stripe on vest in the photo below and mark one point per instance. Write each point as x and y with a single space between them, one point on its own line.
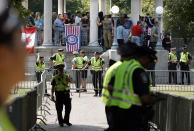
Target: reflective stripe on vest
5 124
173 56
61 82
40 67
123 94
184 57
96 65
79 62
59 59
108 76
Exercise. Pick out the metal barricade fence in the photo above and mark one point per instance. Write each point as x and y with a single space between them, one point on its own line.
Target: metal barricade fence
23 109
170 80
160 80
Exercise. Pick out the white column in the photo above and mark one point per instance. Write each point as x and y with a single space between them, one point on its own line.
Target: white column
104 6
25 4
65 8
60 6
100 2
47 23
93 25
159 3
136 10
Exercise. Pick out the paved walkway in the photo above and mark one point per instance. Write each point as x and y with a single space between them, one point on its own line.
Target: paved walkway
87 114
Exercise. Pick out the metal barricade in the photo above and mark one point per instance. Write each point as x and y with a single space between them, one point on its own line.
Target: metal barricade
27 102
165 80
22 111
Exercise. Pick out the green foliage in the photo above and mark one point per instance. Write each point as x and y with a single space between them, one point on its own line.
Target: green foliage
124 6
179 19
23 12
36 5
78 5
148 6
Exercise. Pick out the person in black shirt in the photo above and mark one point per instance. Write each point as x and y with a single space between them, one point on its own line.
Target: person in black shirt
167 42
100 28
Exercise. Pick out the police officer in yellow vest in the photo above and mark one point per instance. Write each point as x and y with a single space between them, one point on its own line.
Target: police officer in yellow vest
131 93
97 69
126 51
57 59
77 65
12 60
60 86
84 72
40 67
172 66
185 59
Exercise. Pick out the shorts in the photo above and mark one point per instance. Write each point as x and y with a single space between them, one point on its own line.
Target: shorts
84 74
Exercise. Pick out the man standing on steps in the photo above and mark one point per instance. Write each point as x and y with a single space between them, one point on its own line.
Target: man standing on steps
60 86
57 59
97 69
154 35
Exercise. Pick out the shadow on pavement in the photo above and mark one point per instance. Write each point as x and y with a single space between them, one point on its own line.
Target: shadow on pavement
56 127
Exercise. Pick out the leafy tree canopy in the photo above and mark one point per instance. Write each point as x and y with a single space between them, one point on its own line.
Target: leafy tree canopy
179 19
23 12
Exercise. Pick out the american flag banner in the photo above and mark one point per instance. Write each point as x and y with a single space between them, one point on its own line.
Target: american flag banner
29 37
72 37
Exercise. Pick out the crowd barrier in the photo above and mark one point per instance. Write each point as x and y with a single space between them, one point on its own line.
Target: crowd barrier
175 113
23 110
159 80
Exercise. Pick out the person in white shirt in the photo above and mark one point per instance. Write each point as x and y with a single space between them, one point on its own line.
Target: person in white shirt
78 19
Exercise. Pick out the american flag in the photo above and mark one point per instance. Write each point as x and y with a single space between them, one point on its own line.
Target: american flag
72 36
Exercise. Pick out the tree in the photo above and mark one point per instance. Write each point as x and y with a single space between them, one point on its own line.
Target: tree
23 12
179 19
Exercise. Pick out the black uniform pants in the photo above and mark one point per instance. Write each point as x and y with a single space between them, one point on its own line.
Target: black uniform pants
172 73
128 120
63 98
77 80
97 81
109 117
183 69
38 76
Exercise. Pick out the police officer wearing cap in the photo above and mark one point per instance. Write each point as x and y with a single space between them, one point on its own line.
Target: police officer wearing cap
97 69
126 51
185 60
78 65
131 93
12 59
40 67
60 86
58 58
172 64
